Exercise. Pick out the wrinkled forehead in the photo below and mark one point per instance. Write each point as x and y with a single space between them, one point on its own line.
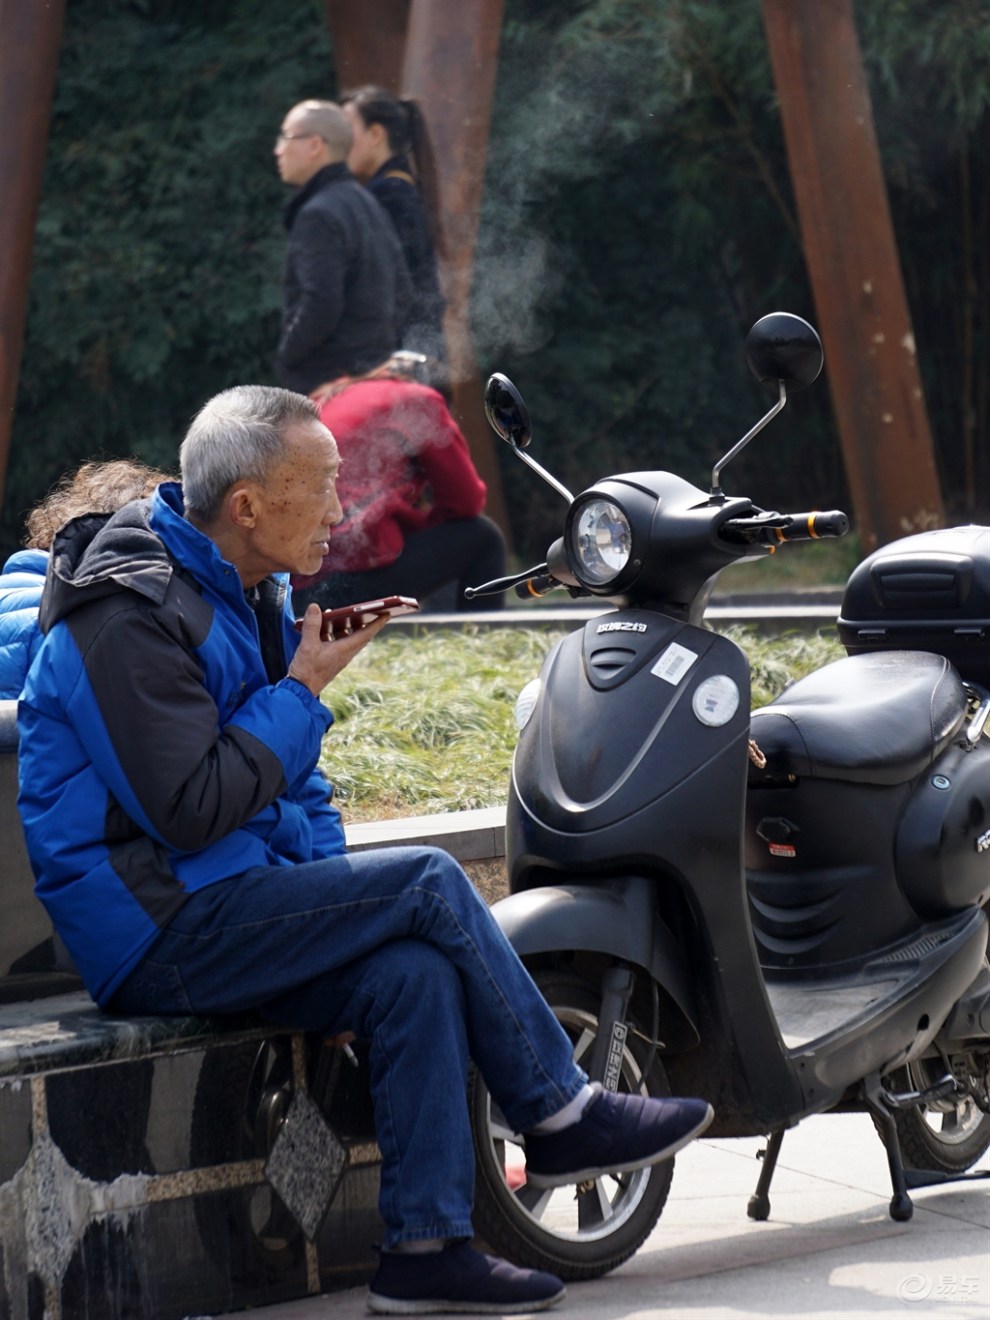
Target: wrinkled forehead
310 449
330 454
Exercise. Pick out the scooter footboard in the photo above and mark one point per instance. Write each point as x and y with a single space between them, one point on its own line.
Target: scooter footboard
616 918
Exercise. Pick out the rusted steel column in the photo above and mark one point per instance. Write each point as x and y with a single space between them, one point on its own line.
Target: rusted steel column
854 268
29 40
450 65
369 41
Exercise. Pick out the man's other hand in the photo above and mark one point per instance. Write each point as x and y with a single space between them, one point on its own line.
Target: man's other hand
316 662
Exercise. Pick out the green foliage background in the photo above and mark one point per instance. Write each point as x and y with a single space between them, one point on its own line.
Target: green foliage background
156 278
637 165
638 218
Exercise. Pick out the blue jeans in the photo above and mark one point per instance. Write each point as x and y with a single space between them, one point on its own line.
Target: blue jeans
398 947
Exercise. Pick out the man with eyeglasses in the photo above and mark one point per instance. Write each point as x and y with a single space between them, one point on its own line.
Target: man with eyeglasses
346 287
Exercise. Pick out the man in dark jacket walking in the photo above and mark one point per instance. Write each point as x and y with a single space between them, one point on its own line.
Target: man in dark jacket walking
347 291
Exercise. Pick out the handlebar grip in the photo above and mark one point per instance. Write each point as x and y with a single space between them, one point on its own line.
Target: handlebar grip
540 584
814 526
774 529
538 574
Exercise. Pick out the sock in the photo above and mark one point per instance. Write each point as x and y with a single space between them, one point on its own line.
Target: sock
570 1113
419 1246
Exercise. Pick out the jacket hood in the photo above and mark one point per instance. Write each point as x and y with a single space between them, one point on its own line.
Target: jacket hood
98 554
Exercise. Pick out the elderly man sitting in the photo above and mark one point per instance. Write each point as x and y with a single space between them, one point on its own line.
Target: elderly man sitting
185 846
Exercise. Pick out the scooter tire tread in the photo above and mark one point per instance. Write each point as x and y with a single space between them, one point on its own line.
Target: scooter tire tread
564 1259
921 1148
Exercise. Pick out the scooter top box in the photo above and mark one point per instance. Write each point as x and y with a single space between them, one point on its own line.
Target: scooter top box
928 592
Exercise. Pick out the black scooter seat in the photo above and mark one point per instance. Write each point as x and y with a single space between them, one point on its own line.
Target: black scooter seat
878 718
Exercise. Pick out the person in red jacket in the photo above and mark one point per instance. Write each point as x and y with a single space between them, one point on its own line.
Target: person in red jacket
412 498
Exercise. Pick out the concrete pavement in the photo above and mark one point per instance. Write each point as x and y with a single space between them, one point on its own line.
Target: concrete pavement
829 1248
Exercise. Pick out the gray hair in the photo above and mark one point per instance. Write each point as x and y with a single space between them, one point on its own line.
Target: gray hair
328 121
238 435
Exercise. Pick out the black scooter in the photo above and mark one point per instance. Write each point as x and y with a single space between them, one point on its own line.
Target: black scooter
779 912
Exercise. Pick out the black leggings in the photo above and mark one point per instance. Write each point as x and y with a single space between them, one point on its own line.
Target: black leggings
462 553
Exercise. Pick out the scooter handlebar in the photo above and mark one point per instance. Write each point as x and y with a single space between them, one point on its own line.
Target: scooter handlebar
537 585
534 582
776 528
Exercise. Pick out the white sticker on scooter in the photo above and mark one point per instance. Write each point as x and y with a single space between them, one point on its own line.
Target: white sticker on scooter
674 663
716 700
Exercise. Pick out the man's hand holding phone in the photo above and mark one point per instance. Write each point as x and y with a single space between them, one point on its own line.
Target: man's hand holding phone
346 619
332 638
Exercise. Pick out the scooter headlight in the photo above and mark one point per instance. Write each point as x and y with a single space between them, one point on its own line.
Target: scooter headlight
600 542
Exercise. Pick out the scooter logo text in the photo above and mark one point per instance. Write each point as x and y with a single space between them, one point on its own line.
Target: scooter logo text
622 626
613 1067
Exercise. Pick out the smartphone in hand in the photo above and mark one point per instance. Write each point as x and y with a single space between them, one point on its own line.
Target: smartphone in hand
349 618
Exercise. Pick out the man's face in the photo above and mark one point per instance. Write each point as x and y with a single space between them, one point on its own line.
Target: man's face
297 505
298 153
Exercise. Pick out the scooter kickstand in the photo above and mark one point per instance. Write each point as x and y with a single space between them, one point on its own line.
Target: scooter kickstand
901 1206
759 1203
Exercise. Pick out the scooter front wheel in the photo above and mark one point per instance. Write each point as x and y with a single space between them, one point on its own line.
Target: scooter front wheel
574 1232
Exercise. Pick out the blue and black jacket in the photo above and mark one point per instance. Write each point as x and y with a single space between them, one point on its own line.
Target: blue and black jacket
21 583
162 747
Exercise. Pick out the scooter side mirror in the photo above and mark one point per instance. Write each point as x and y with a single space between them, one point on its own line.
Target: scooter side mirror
507 415
509 418
784 348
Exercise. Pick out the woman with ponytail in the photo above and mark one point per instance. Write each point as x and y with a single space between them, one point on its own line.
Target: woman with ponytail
393 156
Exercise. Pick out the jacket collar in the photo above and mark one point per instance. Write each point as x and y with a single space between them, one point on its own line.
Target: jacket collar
323 178
394 165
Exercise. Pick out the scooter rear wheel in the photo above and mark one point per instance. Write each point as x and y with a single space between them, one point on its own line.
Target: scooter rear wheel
948 1136
576 1233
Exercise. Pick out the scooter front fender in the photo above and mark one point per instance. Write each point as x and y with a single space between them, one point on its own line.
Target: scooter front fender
617 918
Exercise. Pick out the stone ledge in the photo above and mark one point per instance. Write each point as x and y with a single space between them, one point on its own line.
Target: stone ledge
69 1031
468 836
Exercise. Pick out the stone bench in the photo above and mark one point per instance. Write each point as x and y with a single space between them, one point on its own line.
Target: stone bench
140 1157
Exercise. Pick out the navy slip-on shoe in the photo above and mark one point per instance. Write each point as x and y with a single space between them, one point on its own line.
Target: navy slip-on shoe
615 1134
458 1281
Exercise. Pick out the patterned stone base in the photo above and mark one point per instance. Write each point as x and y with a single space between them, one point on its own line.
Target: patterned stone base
139 1158
138 1190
